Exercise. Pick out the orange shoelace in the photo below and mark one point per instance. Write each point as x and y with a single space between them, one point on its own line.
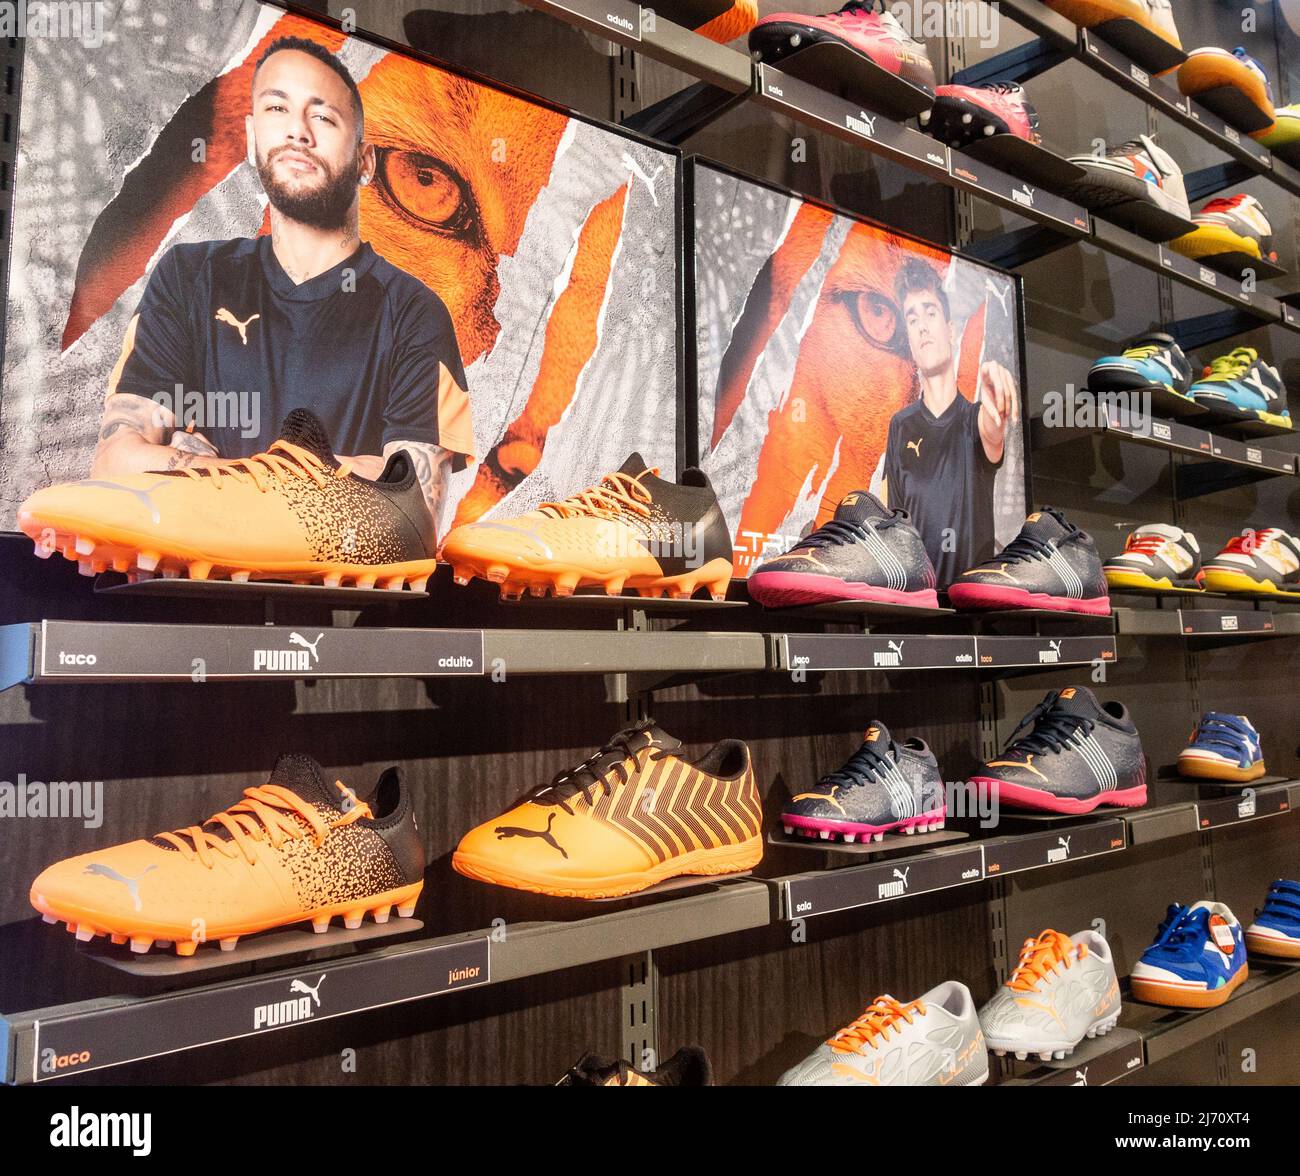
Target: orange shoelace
266 812
283 460
1042 956
607 501
882 1015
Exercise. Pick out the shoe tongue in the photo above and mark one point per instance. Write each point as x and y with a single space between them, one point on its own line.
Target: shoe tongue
634 465
1164 530
1047 523
1157 338
1078 700
859 506
303 428
877 737
302 775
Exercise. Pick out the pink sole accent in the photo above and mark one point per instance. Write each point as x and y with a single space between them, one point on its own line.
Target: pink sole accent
995 596
818 824
1019 796
789 589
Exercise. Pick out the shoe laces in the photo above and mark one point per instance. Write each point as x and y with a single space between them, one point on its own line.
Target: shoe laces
865 764
268 812
1236 363
1143 351
838 532
599 770
616 493
1177 928
881 1015
1041 957
1025 547
1050 728
1147 544
282 461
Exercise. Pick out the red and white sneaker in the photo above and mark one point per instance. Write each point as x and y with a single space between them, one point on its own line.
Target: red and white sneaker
966 114
877 35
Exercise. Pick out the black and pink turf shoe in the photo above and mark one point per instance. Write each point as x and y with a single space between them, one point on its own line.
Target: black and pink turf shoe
1051 564
865 552
1069 754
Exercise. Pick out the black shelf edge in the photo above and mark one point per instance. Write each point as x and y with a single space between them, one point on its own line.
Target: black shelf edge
1096 1062
117 1030
1251 804
830 652
1245 623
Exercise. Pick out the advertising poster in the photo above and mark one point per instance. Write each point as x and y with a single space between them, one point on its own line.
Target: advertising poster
510 297
834 356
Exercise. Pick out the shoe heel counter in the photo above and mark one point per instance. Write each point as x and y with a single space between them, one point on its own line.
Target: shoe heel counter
401 834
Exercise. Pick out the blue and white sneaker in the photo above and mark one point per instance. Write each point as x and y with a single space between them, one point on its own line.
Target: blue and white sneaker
1151 360
1242 382
1276 929
1196 962
1223 747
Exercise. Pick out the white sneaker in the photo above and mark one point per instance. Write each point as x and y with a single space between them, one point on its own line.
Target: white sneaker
1138 170
1063 990
934 1041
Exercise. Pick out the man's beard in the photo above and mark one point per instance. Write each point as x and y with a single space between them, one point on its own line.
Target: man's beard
323 207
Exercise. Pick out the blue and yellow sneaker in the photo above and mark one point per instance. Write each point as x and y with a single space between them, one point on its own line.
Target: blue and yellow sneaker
1243 382
1151 360
1223 747
1197 961
1276 929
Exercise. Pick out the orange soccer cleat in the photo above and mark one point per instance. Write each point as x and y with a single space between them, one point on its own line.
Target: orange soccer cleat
634 530
293 849
635 813
292 513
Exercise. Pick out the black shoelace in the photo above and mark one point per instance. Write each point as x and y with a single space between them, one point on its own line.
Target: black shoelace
594 772
864 765
1050 728
1029 547
838 532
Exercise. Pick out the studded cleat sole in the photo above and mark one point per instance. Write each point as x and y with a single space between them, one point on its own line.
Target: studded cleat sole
88 925
94 555
1047 1051
855 831
560 580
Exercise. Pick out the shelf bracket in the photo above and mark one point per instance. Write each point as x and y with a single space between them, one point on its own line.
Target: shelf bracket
1015 65
1215 178
679 116
1204 329
1017 248
640 1029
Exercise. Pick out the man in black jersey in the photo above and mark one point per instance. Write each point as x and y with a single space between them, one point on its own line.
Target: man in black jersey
944 451
309 317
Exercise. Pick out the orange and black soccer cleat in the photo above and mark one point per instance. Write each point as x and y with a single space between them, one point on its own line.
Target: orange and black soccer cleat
634 530
687 1067
635 813
294 849
292 513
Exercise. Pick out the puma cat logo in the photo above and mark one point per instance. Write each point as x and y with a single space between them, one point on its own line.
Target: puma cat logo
224 316
132 884
305 988
916 445
504 831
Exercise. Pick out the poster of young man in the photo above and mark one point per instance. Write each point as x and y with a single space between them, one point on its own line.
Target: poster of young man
258 224
836 356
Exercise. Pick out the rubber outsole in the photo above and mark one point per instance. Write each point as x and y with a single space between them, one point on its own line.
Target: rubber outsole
1209 71
1211 240
792 589
514 578
1000 1047
986 596
1020 796
1203 769
958 121
1172 997
88 925
1123 578
95 554
851 831
728 859
1217 580
776 41
1265 945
